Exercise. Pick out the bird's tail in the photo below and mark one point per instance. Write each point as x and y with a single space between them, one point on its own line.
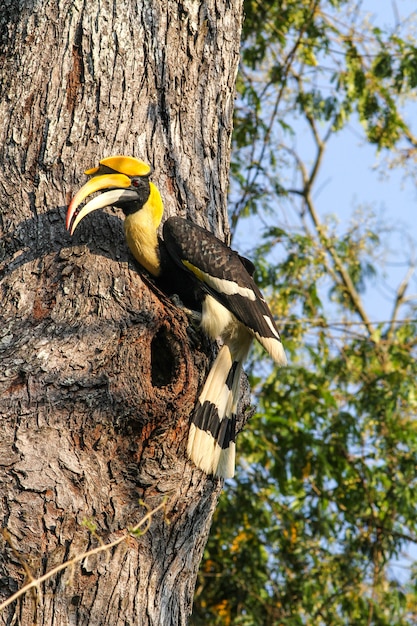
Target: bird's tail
211 441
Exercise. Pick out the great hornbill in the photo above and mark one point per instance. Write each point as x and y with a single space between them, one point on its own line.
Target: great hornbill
193 263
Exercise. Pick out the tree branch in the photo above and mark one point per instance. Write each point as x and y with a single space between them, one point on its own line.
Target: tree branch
346 280
80 557
399 299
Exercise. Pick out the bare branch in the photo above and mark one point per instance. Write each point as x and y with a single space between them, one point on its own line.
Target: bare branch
400 299
80 557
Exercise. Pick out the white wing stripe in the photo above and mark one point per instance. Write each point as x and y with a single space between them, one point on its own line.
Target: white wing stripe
221 285
229 287
271 326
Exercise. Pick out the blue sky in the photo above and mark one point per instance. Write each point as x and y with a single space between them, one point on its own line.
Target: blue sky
349 178
349 162
349 173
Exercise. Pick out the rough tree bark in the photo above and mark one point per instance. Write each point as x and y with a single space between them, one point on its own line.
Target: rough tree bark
98 373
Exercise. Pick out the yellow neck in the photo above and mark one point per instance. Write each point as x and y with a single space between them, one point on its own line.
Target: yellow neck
141 232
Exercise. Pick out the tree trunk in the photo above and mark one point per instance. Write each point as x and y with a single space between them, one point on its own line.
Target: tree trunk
99 372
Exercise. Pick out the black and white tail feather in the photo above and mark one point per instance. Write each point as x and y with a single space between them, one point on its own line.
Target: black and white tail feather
212 436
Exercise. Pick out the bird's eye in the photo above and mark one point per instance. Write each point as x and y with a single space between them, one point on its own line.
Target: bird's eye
135 182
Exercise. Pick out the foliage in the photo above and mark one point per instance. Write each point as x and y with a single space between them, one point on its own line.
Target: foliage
323 505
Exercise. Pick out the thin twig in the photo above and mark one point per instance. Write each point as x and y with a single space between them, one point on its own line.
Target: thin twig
80 557
399 300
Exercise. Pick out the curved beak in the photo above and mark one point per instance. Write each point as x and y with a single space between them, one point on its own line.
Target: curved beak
117 184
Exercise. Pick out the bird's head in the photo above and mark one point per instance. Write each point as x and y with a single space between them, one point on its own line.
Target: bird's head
124 182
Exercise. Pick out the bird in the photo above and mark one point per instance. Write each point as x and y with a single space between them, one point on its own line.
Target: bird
203 272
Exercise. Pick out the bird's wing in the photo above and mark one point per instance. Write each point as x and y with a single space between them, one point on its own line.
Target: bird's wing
224 276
